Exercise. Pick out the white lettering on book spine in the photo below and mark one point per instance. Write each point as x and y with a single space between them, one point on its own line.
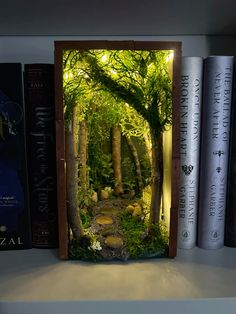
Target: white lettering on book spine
190 126
214 151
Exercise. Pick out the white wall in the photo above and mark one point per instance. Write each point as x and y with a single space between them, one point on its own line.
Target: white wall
36 49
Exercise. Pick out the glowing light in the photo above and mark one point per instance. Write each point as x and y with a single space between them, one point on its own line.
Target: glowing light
68 76
170 57
167 153
80 72
104 58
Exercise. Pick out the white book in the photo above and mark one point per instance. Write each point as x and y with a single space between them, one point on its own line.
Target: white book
217 98
190 128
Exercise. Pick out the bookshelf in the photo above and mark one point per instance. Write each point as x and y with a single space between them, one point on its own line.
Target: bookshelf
196 280
38 275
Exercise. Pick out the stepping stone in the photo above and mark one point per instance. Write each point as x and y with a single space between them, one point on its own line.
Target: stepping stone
104 220
109 210
114 242
107 231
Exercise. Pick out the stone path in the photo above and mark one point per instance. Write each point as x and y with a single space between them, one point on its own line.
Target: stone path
106 227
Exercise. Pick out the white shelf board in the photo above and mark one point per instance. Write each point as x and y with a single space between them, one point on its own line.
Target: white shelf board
38 275
194 306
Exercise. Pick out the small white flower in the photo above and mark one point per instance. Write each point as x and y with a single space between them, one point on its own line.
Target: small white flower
96 246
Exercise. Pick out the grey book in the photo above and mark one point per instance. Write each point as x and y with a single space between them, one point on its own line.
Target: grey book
217 97
190 128
230 214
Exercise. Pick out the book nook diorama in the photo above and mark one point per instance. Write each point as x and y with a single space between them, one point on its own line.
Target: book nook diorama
117 137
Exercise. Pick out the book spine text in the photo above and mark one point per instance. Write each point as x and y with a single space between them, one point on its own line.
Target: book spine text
39 98
190 127
218 73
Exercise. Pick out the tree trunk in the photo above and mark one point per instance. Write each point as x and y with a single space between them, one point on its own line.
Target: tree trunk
157 176
136 162
72 178
83 156
148 145
116 159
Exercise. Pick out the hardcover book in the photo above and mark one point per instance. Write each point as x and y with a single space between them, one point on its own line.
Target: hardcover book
15 230
218 74
190 126
39 103
230 219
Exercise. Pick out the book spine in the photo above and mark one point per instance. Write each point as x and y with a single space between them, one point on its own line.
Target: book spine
230 216
40 107
190 127
15 230
217 97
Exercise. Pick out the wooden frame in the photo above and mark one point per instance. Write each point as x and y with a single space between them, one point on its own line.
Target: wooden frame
60 133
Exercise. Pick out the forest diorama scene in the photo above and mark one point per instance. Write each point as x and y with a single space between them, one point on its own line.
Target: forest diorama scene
118 149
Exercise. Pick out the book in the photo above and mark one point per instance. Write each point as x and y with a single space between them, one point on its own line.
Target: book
217 97
15 230
190 128
230 216
41 153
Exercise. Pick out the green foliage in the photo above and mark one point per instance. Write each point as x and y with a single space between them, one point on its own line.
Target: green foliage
130 88
145 168
77 252
85 218
86 248
133 230
146 201
138 78
72 89
84 198
128 170
157 239
128 167
101 173
141 239
132 123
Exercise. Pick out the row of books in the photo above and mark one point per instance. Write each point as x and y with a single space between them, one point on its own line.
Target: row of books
28 211
28 206
207 151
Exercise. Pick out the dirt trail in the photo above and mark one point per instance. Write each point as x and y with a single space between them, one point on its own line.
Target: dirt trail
106 225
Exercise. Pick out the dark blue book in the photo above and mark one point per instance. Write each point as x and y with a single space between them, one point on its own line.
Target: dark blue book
15 231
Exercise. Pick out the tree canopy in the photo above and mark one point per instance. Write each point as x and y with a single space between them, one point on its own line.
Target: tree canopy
131 89
134 77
